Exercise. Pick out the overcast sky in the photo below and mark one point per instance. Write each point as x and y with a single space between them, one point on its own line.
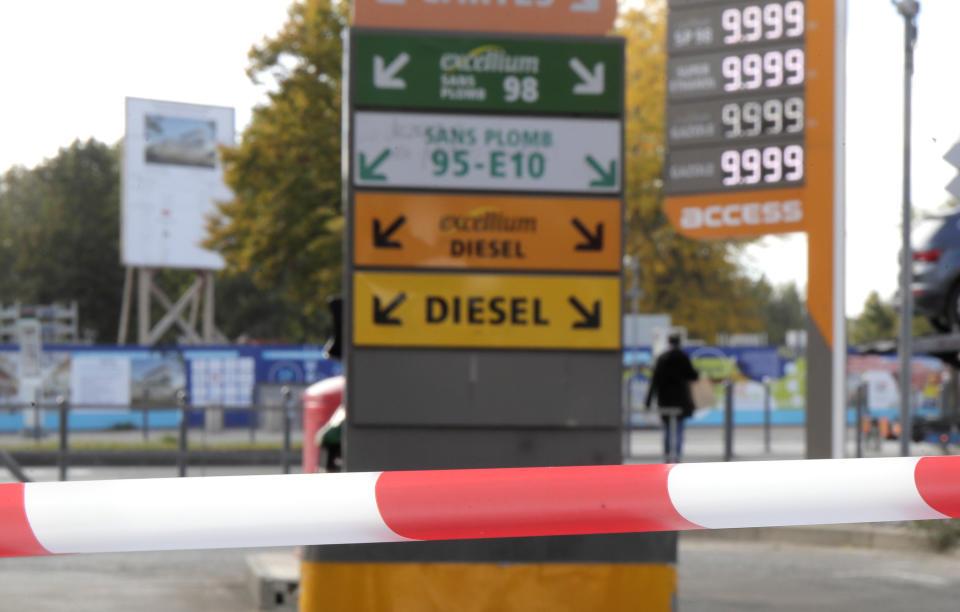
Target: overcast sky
68 65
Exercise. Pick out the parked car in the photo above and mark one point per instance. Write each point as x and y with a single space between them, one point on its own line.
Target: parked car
936 270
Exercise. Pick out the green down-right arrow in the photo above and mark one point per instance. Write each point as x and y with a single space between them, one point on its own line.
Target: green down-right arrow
608 176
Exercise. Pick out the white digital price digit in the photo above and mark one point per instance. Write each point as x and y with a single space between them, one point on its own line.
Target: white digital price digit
793 162
773 68
793 112
793 61
730 164
752 24
730 116
773 116
772 165
752 71
752 119
753 171
730 22
731 67
793 16
773 20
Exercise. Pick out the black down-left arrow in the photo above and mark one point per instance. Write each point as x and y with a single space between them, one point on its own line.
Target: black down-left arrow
591 318
381 237
381 315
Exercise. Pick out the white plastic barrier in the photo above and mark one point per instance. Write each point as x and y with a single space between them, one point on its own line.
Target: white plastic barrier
240 511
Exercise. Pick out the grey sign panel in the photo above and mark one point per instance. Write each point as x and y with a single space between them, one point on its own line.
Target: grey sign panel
736 72
660 547
705 26
371 449
735 168
766 118
487 388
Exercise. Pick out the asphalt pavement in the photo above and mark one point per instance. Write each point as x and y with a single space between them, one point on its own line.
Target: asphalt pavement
725 576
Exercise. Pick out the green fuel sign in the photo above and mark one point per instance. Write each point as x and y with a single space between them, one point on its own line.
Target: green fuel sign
582 76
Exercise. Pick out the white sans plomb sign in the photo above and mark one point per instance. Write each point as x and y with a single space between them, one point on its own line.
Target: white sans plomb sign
434 151
171 178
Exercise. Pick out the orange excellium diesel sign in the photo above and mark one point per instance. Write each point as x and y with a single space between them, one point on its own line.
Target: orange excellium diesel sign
452 231
750 130
531 16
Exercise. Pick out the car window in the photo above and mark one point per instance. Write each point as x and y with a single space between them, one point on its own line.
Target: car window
924 230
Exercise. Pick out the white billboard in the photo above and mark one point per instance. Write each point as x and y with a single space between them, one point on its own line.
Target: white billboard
171 178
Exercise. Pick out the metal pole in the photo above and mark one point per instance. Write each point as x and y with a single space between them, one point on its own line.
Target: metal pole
145 426
727 420
11 464
125 306
182 442
861 401
285 392
766 415
37 428
253 423
62 456
908 9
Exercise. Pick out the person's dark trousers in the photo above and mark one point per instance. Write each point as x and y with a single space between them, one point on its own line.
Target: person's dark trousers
672 448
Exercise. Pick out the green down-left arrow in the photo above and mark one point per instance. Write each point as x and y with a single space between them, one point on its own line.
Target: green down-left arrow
608 176
368 172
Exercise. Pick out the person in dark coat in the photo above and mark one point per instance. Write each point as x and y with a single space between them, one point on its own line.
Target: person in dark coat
670 384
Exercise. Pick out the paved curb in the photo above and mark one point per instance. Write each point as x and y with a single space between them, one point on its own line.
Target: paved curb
274 580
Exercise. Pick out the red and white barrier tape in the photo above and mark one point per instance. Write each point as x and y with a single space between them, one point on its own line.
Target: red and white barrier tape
239 511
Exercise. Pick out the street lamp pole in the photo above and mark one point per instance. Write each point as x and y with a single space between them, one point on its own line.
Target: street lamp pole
908 9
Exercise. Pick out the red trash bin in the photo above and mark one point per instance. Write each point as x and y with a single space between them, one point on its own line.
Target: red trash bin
320 401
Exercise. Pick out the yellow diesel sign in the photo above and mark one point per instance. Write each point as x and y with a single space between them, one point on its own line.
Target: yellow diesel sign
486 311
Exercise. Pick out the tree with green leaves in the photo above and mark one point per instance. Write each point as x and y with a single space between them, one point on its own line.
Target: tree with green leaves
879 320
284 225
60 234
785 310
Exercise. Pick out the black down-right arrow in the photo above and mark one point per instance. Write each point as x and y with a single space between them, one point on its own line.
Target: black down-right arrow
591 318
594 240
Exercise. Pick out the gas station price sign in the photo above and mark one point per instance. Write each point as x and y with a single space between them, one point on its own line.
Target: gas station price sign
754 141
736 103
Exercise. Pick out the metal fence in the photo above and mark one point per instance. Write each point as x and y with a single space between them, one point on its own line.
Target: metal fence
280 423
868 433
